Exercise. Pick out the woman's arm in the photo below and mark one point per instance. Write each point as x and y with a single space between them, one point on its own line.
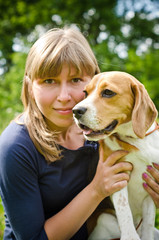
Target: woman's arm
20 192
150 185
108 179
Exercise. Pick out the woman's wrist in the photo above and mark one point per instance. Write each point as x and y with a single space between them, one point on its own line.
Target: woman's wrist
96 193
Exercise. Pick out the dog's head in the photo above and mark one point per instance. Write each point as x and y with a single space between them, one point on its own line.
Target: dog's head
112 99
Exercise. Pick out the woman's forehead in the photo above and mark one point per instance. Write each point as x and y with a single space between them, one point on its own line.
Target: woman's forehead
70 70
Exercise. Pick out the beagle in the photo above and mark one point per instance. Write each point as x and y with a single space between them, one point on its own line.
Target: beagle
118 109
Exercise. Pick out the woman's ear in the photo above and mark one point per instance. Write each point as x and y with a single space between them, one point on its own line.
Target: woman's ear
144 111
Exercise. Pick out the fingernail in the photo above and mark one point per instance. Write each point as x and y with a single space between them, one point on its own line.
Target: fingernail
144 175
155 164
149 167
145 185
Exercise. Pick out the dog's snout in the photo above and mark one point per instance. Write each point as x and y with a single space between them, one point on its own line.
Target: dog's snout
78 112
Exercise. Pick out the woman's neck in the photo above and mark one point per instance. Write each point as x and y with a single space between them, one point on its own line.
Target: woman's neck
71 138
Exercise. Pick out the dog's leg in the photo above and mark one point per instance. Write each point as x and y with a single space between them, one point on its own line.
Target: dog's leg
148 223
124 215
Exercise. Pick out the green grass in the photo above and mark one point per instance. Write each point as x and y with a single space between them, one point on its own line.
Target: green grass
2 220
157 219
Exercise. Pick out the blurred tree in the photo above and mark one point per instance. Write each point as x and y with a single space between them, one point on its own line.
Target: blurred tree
123 35
10 88
99 19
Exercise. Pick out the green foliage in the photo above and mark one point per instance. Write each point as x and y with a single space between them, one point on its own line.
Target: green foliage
145 69
20 17
10 89
157 219
1 220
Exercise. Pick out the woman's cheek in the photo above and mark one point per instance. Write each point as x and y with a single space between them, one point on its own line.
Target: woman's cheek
43 101
80 96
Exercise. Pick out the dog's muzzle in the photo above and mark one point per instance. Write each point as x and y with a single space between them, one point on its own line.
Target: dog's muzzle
79 112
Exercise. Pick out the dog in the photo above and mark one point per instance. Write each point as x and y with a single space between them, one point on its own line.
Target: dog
118 109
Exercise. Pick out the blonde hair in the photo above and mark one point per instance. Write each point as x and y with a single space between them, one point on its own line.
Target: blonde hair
45 59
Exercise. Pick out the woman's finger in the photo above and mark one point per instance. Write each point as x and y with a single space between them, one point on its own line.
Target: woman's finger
154 171
152 193
156 166
121 177
116 156
122 167
113 156
101 151
151 184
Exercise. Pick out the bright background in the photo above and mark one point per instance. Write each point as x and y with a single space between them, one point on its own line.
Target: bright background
124 36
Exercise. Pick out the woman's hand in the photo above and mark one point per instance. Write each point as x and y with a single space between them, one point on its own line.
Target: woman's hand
151 184
111 174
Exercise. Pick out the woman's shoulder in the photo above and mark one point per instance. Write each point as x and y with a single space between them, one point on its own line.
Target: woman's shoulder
17 148
14 133
15 140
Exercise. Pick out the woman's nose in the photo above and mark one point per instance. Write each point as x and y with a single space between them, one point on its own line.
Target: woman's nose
64 94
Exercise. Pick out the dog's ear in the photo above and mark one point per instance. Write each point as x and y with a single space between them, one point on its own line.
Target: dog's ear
144 112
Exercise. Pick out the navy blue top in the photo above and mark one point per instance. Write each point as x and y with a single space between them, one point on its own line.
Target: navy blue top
33 190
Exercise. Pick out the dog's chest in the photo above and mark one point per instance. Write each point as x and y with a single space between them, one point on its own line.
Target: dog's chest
140 159
144 150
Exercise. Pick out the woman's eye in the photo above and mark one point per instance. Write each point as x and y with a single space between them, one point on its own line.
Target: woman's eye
76 80
49 81
106 93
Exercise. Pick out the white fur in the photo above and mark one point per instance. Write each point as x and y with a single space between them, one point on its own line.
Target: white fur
133 203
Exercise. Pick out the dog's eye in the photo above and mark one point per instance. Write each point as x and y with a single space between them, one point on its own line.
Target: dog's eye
106 93
86 94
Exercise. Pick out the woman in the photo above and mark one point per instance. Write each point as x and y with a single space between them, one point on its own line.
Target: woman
44 158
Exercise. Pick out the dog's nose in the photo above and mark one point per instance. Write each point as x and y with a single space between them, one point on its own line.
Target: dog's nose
78 112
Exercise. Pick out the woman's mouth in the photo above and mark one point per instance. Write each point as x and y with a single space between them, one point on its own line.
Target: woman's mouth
64 111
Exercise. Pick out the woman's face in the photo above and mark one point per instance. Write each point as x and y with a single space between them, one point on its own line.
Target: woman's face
56 96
